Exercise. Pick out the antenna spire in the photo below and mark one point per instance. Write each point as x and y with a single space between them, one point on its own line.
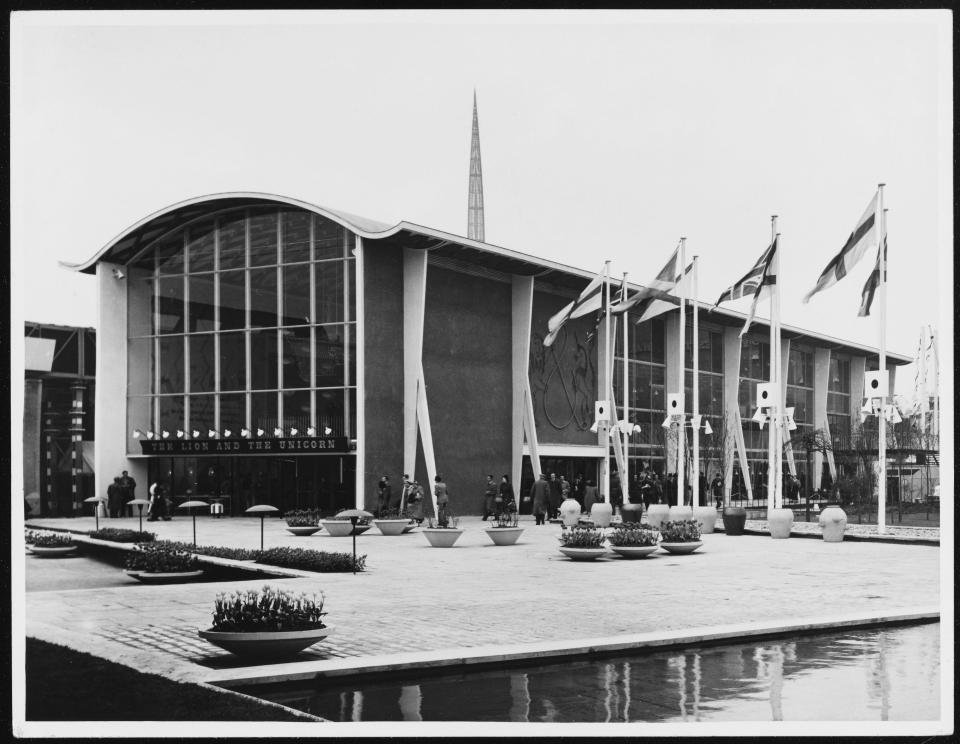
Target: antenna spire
475 197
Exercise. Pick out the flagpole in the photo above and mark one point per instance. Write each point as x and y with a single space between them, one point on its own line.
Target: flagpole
681 481
882 444
774 366
625 475
607 387
935 421
695 483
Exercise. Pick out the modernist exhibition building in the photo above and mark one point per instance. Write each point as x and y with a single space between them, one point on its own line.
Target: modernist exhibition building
262 349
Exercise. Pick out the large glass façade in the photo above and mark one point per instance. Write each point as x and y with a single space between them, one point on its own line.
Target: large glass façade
244 319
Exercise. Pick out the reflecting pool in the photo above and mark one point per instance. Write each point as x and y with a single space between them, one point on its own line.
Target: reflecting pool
877 674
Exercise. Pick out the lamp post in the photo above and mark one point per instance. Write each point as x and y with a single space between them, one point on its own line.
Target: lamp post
189 505
96 501
354 515
261 510
140 503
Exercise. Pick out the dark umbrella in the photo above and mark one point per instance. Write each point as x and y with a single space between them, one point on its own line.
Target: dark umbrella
354 515
189 505
140 504
96 508
262 510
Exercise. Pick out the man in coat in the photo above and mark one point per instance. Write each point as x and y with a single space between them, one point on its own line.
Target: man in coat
541 498
490 497
556 496
128 487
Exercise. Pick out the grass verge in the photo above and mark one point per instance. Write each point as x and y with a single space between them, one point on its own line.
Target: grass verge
67 685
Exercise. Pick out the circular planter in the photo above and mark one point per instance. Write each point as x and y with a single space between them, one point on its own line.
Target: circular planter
441 537
53 552
171 577
631 513
680 548
410 527
583 554
504 535
570 512
303 531
634 551
342 528
734 520
780 521
601 513
706 517
657 514
391 527
833 523
265 644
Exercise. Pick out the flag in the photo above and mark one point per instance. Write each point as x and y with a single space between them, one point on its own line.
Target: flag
873 281
863 237
590 299
655 298
658 302
756 281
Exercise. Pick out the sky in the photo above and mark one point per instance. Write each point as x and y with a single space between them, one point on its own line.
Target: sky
604 135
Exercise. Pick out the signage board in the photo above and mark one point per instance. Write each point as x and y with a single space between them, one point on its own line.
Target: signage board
279 445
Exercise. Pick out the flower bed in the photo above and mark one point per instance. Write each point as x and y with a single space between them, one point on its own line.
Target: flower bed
160 558
632 535
582 537
236 554
687 530
115 534
302 518
52 540
269 610
311 560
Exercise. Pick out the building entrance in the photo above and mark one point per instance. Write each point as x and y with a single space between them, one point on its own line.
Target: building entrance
324 482
568 467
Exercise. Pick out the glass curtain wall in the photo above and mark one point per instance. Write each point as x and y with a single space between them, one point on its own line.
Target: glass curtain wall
646 403
710 400
800 377
252 324
754 368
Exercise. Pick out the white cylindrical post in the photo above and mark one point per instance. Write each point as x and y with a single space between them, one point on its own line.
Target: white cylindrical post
681 481
695 483
773 409
606 387
882 420
625 475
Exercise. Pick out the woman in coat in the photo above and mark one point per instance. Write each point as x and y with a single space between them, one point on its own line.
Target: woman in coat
442 499
505 496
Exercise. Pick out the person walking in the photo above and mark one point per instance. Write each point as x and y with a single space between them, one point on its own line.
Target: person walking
158 503
128 492
717 490
541 498
415 502
115 498
443 499
589 496
383 494
505 497
489 497
579 488
556 496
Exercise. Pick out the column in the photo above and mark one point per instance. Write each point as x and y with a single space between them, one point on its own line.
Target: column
821 381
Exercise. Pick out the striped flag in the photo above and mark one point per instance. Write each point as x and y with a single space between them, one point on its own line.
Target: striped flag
754 282
654 299
590 300
873 281
863 237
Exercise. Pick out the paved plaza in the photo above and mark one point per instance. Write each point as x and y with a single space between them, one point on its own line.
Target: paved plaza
416 600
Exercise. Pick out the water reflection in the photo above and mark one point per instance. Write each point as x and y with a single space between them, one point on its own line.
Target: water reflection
890 674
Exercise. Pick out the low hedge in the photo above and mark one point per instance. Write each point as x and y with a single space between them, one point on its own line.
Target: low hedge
159 558
116 534
236 554
312 560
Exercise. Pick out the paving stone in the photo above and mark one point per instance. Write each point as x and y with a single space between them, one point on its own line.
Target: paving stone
414 598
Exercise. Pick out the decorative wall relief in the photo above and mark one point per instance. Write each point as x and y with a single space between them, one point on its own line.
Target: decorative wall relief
563 379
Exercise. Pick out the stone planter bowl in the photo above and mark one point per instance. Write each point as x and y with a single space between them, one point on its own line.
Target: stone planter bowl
706 517
634 551
583 554
265 645
680 548
504 535
441 537
657 514
391 527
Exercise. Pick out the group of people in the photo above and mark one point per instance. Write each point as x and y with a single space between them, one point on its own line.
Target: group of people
547 493
498 498
408 498
119 493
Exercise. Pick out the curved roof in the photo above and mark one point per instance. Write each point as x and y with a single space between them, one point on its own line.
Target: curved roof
454 248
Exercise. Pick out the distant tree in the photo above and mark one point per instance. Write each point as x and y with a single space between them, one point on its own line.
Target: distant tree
810 441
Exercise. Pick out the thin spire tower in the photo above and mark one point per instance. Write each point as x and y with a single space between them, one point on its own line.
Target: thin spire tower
475 198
